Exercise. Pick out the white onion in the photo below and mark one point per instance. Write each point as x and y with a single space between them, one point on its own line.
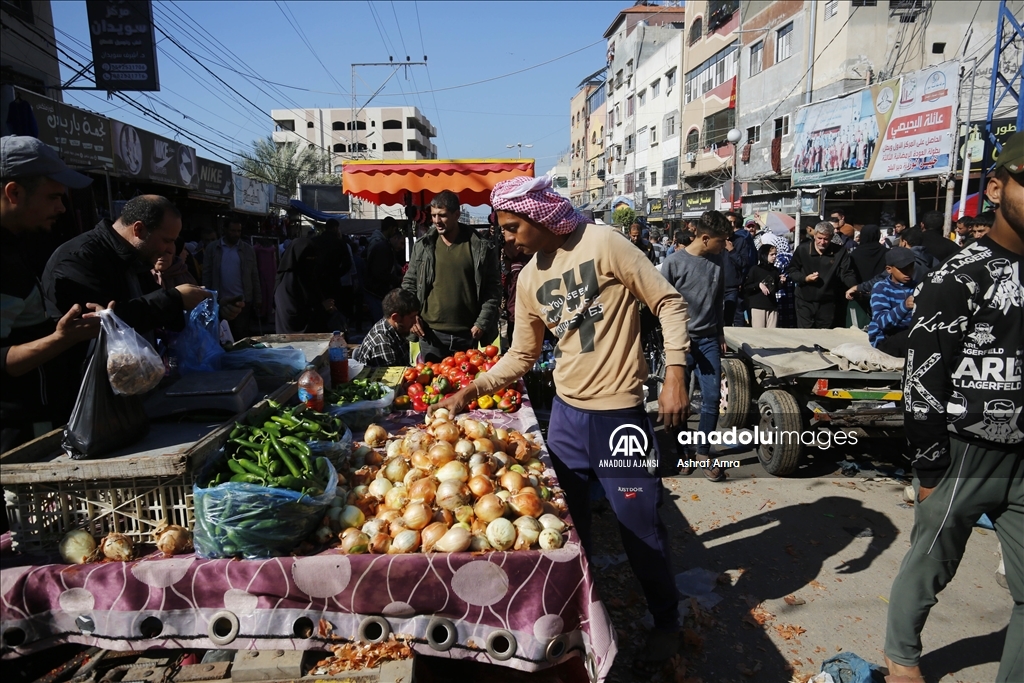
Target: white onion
432 534
375 435
501 534
464 513
423 490
119 547
380 544
395 469
172 539
550 539
441 453
414 475
406 542
526 503
483 445
442 414
464 448
77 547
352 516
397 498
481 485
490 507
550 521
454 470
452 493
394 449
379 487
473 429
527 531
417 515
479 543
455 540
445 431
356 544
374 526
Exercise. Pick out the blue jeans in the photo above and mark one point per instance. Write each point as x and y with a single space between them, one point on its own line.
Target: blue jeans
704 361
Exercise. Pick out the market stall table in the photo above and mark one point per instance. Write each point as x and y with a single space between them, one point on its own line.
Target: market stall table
524 609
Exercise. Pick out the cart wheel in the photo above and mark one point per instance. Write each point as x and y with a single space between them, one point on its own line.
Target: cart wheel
780 413
734 410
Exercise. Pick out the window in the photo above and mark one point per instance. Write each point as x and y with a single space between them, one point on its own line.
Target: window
831 9
695 30
782 126
641 178
337 125
784 43
654 178
711 73
670 126
618 78
670 79
717 127
629 106
309 124
22 9
641 98
392 146
719 12
285 124
339 147
754 134
615 113
629 143
655 88
692 142
373 146
756 58
337 169
670 171
865 3
392 124
593 137
654 135
628 183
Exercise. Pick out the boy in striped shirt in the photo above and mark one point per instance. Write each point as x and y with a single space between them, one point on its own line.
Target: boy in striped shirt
892 304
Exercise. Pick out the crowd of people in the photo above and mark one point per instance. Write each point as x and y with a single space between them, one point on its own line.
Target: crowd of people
958 311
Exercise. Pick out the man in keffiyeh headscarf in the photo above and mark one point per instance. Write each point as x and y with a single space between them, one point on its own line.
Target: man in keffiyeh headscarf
583 284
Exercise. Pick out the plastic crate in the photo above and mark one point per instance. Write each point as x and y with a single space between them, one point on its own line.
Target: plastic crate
40 513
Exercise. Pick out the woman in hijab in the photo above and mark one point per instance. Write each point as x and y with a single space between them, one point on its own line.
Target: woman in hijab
869 256
299 305
786 311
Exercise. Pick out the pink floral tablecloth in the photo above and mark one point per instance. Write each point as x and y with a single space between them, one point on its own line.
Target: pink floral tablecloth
544 601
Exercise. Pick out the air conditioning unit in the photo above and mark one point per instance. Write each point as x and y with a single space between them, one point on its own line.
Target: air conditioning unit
691 157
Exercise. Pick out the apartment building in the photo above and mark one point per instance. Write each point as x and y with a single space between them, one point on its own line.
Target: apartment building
28 52
597 108
581 123
375 133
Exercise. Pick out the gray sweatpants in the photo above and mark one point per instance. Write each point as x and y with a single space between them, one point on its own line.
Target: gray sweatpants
979 480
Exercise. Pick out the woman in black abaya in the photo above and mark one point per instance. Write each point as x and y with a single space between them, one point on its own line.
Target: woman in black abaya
300 306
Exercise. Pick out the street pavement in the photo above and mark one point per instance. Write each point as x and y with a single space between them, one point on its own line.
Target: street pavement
801 569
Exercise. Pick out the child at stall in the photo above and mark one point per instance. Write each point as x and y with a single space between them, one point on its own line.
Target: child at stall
892 304
760 287
385 344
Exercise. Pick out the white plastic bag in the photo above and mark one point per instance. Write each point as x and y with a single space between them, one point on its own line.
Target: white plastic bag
133 365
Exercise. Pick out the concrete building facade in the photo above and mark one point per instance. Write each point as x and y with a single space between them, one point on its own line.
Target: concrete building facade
581 126
28 52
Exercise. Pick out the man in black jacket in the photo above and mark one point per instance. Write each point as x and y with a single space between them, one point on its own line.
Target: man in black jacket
963 419
938 246
822 272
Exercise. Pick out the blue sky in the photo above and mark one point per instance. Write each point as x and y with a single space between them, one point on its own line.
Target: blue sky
465 42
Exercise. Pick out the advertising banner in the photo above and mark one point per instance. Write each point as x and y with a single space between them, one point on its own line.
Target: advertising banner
654 208
81 138
921 134
143 155
1003 128
123 44
215 180
696 203
251 196
834 141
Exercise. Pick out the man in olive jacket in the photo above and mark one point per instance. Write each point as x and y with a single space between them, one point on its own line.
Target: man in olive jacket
455 274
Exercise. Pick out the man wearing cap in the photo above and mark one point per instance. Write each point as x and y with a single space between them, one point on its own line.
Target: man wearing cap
583 286
33 180
964 422
892 303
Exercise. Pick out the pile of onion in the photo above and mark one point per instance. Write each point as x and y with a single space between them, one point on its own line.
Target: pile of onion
445 486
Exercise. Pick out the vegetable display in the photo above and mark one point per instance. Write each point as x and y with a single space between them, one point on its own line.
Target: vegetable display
276 453
428 383
355 391
450 486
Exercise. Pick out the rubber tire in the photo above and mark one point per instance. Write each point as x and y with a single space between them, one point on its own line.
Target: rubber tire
735 408
779 411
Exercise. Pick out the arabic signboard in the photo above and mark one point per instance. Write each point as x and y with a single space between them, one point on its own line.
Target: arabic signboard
123 44
81 138
1003 128
142 155
920 137
672 205
251 196
808 204
900 128
280 197
654 208
215 180
696 203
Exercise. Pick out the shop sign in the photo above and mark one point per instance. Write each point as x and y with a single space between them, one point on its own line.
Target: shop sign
672 205
699 202
251 196
901 128
655 205
215 179
808 205
141 155
123 44
1003 129
282 197
81 138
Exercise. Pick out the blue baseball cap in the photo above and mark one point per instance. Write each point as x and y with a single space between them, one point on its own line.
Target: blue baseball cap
22 156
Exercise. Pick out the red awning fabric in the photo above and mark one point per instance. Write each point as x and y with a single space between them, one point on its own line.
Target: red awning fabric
389 182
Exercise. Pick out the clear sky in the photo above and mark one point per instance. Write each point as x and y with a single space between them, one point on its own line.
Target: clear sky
465 42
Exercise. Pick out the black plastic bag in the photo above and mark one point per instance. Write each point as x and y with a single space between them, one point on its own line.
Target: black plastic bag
102 421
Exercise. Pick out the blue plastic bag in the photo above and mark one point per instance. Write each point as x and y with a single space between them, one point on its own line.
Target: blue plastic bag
281 362
199 348
255 521
846 667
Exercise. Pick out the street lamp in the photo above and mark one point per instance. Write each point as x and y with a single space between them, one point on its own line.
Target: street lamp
520 146
733 136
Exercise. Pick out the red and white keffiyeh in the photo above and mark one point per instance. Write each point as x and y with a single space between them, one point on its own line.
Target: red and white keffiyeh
534 198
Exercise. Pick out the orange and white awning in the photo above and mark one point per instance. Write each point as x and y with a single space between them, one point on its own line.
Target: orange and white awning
417 182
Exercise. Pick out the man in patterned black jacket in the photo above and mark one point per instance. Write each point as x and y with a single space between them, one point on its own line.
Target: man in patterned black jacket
963 402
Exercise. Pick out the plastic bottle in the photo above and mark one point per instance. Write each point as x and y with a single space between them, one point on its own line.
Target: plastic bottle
311 389
339 359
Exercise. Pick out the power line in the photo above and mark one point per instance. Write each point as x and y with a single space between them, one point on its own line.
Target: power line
305 40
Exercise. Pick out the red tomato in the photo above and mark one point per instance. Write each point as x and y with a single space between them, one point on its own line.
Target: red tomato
488 365
448 362
410 374
459 356
491 351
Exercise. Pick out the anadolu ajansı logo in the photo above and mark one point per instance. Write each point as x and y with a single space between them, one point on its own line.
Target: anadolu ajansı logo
627 441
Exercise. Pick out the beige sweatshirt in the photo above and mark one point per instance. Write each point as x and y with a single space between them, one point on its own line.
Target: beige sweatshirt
586 293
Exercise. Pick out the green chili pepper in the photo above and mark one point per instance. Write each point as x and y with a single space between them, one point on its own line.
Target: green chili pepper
252 468
286 421
236 432
289 462
299 444
246 444
276 468
247 479
236 466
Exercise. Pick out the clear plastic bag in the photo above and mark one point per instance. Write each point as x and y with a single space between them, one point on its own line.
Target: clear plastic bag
199 348
335 451
361 414
133 365
280 362
253 521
